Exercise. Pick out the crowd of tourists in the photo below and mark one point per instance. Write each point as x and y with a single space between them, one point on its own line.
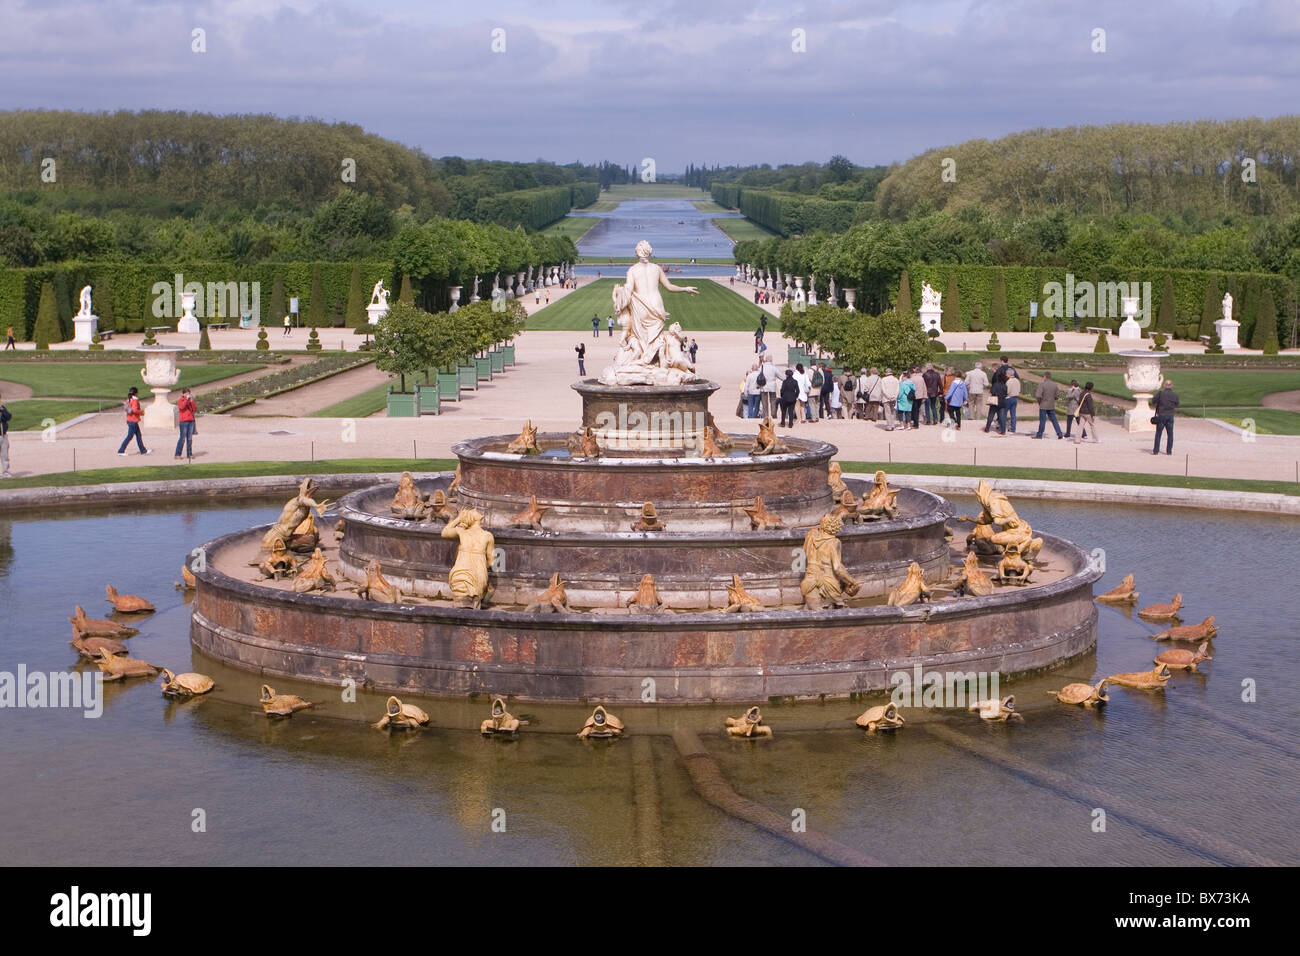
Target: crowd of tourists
921 396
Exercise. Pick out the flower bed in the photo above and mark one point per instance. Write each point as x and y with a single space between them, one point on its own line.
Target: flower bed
277 383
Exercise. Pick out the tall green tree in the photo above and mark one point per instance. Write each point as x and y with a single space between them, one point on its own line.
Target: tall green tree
356 309
407 294
998 321
278 306
951 303
1211 308
1266 322
47 319
316 304
904 304
1165 318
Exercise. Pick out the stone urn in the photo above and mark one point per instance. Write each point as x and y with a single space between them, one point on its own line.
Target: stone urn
1143 379
850 296
160 374
1129 329
187 322
455 298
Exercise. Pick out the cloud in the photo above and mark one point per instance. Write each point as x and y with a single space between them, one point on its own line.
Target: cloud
685 81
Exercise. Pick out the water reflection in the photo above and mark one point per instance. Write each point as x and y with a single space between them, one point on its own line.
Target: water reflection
673 226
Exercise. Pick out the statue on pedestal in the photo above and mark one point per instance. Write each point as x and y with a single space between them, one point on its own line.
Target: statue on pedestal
85 301
649 352
929 297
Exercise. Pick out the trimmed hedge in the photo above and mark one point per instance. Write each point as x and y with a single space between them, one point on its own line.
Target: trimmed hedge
129 287
790 213
1024 284
531 208
583 194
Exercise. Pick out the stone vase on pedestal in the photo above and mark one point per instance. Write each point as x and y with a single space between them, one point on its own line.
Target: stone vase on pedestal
850 296
160 374
1129 330
1143 379
455 298
187 322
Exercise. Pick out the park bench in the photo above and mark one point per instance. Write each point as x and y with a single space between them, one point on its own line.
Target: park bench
159 329
1096 329
105 334
218 326
1204 339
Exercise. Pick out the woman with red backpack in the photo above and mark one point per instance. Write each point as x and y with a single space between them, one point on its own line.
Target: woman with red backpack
132 408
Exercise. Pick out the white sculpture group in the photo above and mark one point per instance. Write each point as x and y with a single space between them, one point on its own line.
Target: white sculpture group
650 352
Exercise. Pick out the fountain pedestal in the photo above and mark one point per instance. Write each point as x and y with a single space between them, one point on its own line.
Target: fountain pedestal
1143 379
160 374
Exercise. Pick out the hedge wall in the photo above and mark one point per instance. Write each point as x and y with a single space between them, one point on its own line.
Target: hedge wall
1025 284
789 213
128 287
531 208
583 194
725 194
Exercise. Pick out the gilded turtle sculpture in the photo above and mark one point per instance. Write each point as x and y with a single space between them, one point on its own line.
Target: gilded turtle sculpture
1154 679
1086 695
973 581
400 716
118 668
501 722
551 601
760 519
1189 632
1181 659
95 627
1122 593
750 726
1162 612
883 717
995 709
601 725
89 647
127 603
911 589
739 600
281 705
526 443
189 684
646 600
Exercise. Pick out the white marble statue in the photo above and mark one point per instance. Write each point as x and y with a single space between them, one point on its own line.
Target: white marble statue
1227 306
929 297
85 301
648 353
379 296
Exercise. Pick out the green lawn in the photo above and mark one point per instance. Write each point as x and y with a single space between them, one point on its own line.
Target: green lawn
716 308
741 229
239 469
103 380
654 191
575 227
30 413
1220 388
358 406
362 465
1268 421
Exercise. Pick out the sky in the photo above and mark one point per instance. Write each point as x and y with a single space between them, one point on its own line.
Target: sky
710 82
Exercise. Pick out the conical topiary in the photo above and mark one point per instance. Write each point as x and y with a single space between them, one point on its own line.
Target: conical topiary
205 345
1271 346
262 344
1103 345
993 345
1049 343
1215 347
313 341
47 318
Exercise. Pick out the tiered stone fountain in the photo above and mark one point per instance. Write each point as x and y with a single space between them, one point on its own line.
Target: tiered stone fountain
692 651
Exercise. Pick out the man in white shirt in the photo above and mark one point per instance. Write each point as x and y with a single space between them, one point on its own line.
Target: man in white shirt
770 386
888 396
977 387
